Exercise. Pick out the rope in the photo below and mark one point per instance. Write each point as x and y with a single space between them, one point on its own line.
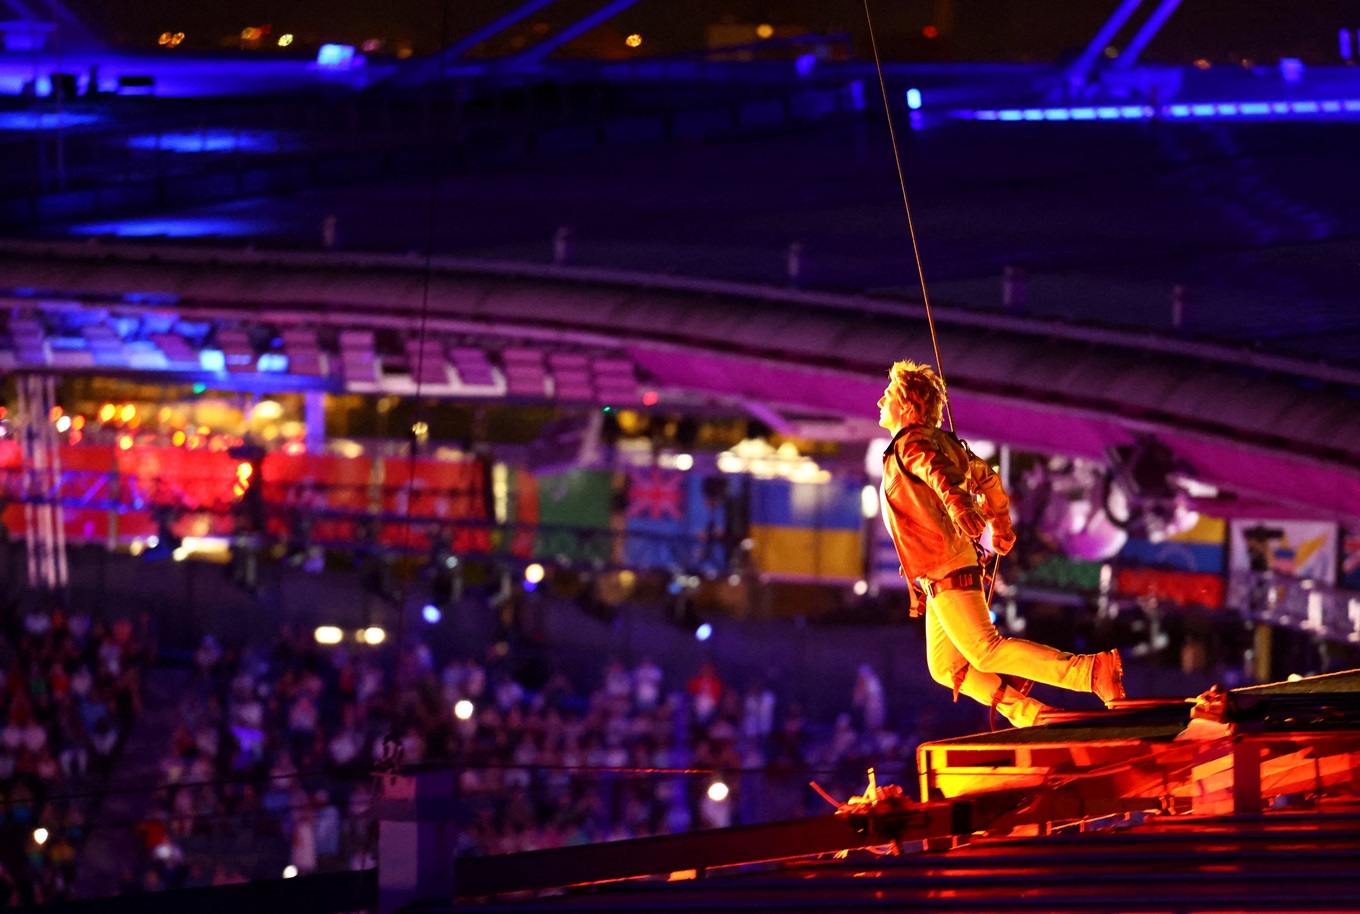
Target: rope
916 248
906 205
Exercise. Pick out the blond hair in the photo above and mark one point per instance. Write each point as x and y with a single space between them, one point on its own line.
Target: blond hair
919 390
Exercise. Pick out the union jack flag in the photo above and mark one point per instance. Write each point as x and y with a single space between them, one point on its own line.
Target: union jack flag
655 494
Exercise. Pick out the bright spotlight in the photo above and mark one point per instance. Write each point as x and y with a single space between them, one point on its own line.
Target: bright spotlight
431 613
703 632
373 635
328 634
40 835
684 462
868 502
534 573
289 871
717 791
463 709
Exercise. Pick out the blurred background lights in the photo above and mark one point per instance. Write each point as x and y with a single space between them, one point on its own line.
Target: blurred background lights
914 99
289 871
861 588
431 613
40 835
717 791
764 30
463 709
684 462
633 41
373 635
328 634
533 573
285 40
703 632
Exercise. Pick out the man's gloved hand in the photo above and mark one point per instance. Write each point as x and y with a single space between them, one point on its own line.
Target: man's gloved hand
1003 537
966 517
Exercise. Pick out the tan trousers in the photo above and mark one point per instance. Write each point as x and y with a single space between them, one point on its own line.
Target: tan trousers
960 634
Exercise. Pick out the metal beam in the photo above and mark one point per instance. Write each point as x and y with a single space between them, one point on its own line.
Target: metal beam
1081 67
696 851
1129 56
538 52
492 29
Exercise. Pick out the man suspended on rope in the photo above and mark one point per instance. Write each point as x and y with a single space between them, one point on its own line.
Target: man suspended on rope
938 498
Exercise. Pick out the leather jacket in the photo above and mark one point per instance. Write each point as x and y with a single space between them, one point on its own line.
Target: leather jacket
929 477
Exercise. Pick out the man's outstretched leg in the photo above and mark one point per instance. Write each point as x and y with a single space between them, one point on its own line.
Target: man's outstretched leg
949 668
963 616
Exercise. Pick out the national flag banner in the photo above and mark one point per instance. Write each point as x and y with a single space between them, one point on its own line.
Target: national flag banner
1301 549
88 467
320 483
573 515
428 491
808 531
197 484
1200 548
1180 587
676 520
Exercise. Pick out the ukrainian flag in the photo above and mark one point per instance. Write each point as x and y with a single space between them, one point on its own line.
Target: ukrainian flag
807 531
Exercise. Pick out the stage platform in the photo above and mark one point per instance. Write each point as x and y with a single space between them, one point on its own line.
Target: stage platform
1235 800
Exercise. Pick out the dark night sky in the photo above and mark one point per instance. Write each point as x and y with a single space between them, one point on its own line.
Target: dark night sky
1035 30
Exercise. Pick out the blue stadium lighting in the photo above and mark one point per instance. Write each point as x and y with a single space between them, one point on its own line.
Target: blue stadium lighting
336 56
530 586
189 227
272 361
210 141
212 360
703 632
914 99
27 120
1213 110
431 613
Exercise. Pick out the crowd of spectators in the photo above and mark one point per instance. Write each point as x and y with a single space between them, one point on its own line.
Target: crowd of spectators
270 765
70 689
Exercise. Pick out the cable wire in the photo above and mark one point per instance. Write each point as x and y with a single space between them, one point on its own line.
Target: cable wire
906 205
